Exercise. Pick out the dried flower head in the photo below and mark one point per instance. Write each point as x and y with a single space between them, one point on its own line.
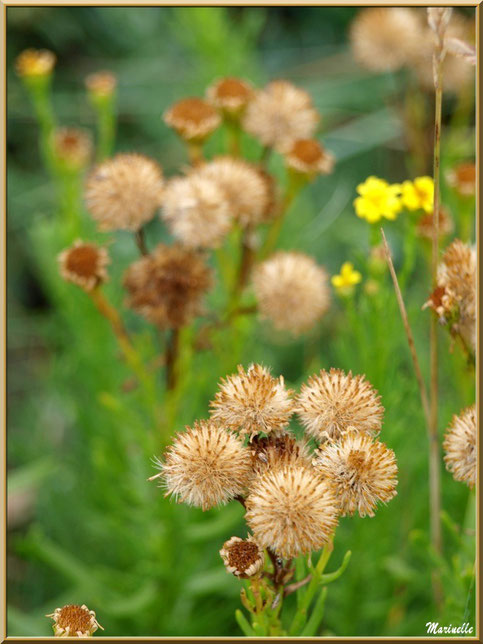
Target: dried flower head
193 119
278 449
124 192
35 63
291 510
460 446
206 466
280 114
425 224
462 178
72 147
331 402
167 286
84 264
386 38
196 210
231 95
242 557
252 401
74 621
362 472
308 156
101 84
246 189
292 291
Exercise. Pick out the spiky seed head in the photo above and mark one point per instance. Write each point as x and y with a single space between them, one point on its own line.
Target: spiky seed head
460 446
33 63
331 402
123 193
252 401
193 119
292 291
462 177
362 471
206 466
167 286
72 147
74 621
196 211
308 157
230 95
84 264
242 557
291 510
278 449
280 114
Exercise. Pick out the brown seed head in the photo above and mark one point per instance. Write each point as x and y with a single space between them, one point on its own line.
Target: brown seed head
460 447
462 177
242 557
231 95
425 224
84 264
35 63
193 119
72 147
307 156
74 621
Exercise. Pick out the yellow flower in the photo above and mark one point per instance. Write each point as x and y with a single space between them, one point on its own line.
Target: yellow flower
418 194
377 199
348 278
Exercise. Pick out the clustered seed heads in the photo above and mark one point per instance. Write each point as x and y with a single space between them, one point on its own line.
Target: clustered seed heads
460 446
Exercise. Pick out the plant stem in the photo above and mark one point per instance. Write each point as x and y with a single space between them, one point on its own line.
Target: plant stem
172 351
141 241
195 153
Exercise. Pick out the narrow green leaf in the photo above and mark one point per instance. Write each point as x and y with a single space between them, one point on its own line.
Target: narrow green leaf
243 623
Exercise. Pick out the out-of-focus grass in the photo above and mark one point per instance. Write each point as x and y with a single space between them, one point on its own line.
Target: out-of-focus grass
79 447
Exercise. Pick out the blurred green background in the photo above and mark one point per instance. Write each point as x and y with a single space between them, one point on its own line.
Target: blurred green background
84 525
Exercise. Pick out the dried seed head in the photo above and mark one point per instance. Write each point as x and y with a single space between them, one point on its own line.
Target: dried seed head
206 466
231 95
84 264
34 63
242 557
193 119
292 291
280 114
72 147
331 402
167 286
362 472
291 510
124 192
460 446
307 156
246 189
278 449
385 39
252 401
425 224
101 84
74 621
462 177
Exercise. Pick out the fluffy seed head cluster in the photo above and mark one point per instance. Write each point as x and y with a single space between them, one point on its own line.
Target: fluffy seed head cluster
252 401
332 402
291 510
463 178
206 466
231 95
242 557
101 84
196 211
385 39
35 63
307 156
74 621
72 147
167 286
425 224
292 291
361 471
280 114
124 192
278 449
246 189
84 264
460 446
193 119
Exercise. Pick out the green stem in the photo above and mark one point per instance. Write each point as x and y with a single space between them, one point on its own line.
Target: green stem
106 128
316 616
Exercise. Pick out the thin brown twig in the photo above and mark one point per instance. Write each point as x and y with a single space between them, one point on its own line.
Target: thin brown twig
292 588
141 242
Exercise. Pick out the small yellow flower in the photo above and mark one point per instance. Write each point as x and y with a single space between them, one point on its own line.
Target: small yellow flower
34 63
346 281
377 199
418 194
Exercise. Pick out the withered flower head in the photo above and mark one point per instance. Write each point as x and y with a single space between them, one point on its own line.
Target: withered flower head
291 510
101 84
331 402
252 401
231 95
292 291
206 466
72 147
460 446
124 192
74 621
280 114
193 119
386 38
84 264
425 224
278 449
462 177
362 472
307 156
246 189
242 557
167 286
196 210
34 63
